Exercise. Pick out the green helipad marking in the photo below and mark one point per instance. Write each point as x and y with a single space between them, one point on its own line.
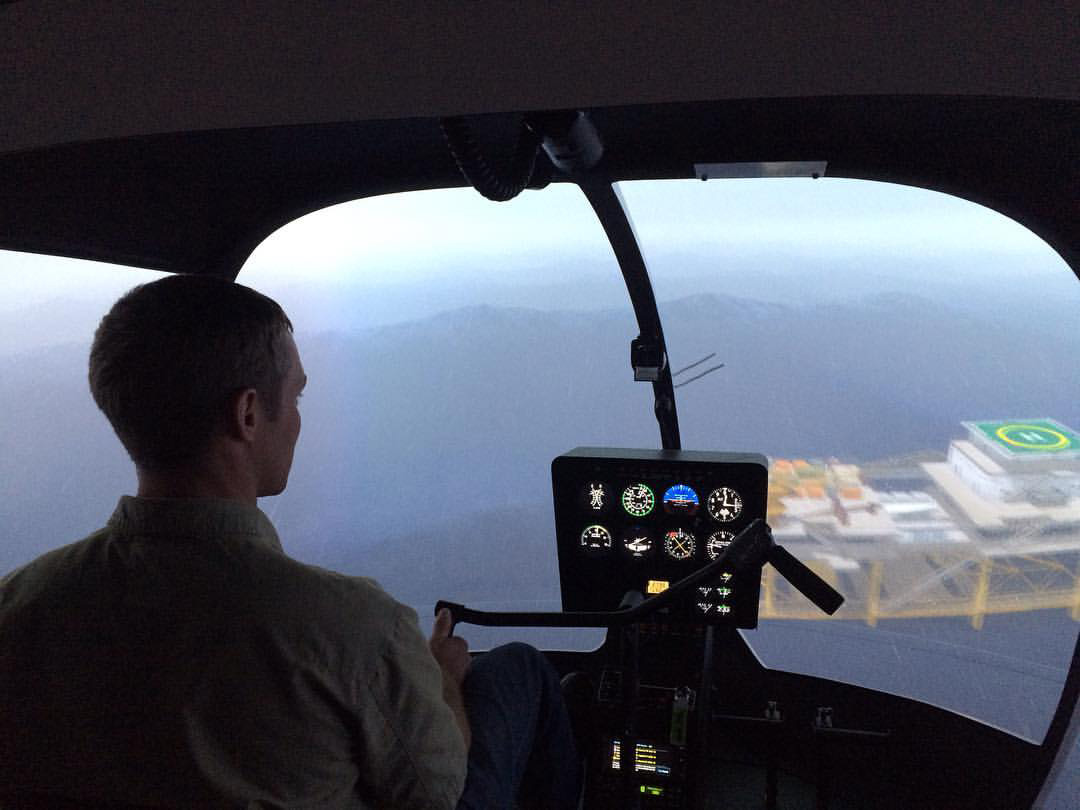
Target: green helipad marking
1030 437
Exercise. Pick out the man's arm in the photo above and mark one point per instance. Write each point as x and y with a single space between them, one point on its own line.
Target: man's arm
452 655
412 752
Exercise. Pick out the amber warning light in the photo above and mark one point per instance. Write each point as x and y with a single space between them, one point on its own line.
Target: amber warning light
657 586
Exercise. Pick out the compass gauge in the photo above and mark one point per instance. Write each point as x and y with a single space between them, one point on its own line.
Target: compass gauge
638 500
681 500
717 542
724 504
596 539
680 544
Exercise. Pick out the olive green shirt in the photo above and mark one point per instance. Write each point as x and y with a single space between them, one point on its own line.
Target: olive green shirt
179 657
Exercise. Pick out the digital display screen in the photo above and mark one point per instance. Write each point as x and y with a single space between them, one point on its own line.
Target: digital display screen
649 758
628 519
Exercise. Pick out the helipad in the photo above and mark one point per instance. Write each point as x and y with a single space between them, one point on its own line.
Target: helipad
1027 438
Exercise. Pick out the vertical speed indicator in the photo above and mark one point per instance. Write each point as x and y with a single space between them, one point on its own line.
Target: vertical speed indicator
717 542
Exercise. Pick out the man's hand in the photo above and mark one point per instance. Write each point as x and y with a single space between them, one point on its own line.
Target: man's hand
452 655
451 652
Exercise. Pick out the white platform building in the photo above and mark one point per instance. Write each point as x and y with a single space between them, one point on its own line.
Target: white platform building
1012 472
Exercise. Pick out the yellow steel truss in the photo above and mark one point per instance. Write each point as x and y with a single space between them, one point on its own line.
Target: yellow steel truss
971 584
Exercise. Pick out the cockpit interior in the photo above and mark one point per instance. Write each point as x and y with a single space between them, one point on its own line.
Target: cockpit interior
773 601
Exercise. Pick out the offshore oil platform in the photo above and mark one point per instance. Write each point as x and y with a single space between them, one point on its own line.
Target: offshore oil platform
991 525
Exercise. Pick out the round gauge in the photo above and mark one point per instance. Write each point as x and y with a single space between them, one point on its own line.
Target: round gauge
681 500
680 544
717 542
638 500
596 539
724 504
638 542
596 496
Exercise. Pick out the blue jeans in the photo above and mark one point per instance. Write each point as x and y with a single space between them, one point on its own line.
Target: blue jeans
522 745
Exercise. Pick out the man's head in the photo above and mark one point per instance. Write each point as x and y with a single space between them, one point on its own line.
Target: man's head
179 365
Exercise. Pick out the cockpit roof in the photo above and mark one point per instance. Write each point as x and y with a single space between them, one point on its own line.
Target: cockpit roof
179 141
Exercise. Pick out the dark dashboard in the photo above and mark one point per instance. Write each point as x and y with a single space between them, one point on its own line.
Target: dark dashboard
636 521
665 548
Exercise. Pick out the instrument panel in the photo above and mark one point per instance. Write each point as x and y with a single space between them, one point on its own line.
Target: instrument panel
640 520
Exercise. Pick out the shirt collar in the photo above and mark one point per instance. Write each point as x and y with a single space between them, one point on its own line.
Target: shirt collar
201 518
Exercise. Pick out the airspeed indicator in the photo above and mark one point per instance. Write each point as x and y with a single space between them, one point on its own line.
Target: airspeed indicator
638 500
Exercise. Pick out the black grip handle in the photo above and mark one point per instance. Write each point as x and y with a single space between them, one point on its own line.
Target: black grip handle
805 581
748 551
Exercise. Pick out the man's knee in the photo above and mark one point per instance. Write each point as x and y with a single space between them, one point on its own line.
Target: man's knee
516 662
519 651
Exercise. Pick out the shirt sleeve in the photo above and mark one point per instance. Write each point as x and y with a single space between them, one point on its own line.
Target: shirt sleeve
414 753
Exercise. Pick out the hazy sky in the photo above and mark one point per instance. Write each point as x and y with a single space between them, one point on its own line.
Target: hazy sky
783 214
460 248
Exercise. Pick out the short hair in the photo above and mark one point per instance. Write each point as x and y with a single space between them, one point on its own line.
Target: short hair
168 356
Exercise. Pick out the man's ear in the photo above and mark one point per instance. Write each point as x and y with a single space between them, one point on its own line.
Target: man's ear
244 415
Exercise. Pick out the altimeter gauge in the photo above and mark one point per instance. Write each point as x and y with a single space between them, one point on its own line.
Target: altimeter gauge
717 542
724 504
638 500
595 539
680 544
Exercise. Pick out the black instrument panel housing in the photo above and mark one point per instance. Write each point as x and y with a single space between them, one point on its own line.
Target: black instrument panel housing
598 579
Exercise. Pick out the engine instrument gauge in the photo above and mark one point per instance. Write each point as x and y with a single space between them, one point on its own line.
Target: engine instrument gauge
680 544
638 500
717 542
596 539
724 504
596 496
681 500
638 542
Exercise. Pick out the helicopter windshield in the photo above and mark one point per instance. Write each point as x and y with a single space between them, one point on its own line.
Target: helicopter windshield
899 355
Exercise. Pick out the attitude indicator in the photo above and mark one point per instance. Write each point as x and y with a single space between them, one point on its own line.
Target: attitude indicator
680 544
724 504
681 500
638 500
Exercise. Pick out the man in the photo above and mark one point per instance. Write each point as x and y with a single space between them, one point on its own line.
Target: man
179 658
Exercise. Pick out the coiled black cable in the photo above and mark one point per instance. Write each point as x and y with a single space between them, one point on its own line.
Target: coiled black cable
479 172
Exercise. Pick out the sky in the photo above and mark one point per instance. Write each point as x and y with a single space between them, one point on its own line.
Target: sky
383 259
788 213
